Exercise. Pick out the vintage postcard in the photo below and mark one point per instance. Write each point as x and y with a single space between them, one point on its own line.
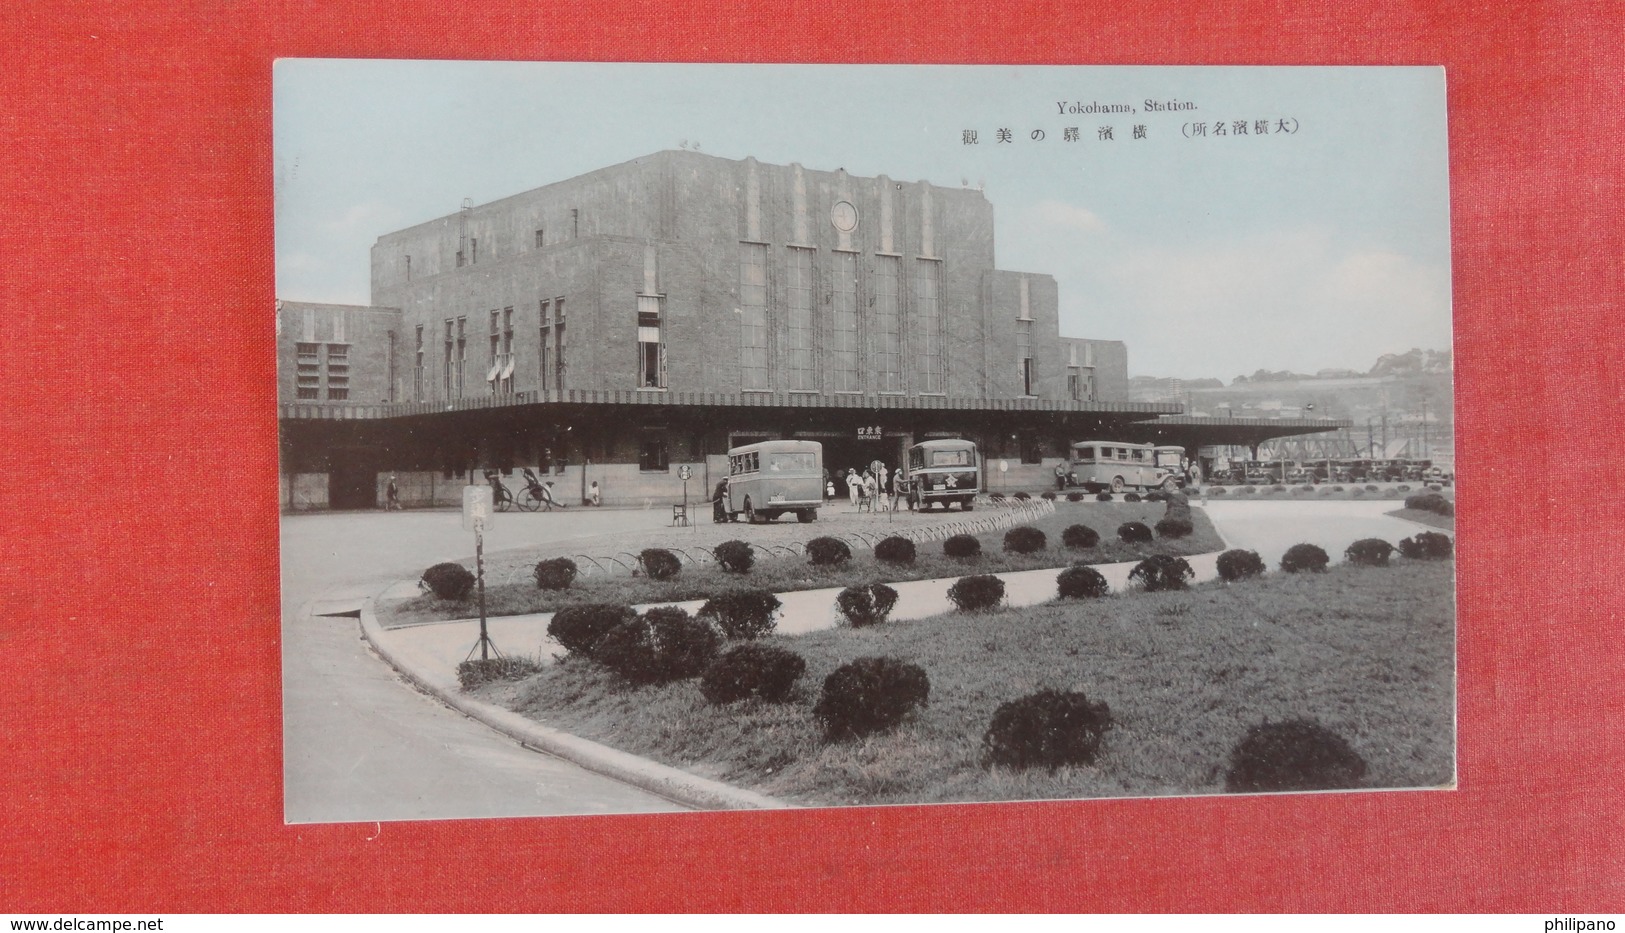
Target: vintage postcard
685 437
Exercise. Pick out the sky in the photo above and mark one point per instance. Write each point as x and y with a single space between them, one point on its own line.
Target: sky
1209 255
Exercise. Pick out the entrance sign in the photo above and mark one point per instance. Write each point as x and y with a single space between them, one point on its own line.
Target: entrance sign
476 508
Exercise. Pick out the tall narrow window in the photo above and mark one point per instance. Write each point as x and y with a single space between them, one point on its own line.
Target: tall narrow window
887 353
844 348
450 361
539 238
409 267
505 380
544 355
563 343
338 372
800 364
927 320
493 372
753 372
462 356
651 348
1024 356
417 368
473 251
308 371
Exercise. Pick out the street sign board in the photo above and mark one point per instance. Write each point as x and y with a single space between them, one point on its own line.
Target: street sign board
476 508
685 472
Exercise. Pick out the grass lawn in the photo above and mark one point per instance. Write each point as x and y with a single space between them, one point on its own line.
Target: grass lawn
784 574
1367 651
1424 517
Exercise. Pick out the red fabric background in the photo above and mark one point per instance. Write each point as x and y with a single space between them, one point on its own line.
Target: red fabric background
140 759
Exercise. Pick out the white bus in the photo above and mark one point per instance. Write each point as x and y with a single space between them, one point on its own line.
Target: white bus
1113 466
771 478
944 471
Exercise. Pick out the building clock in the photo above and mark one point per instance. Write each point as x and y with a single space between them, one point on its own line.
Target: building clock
844 216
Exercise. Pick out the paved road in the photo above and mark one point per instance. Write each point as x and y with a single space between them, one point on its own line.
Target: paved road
1271 527
361 745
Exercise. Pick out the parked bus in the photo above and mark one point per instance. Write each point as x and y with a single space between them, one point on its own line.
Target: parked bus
771 478
1172 460
944 471
1116 466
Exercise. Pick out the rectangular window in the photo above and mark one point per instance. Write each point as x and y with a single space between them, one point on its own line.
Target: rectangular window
473 251
562 344
1024 355
493 360
338 372
506 379
927 321
308 371
462 357
417 368
800 359
753 357
651 348
450 364
886 357
539 238
844 306
1074 384
652 455
544 348
409 267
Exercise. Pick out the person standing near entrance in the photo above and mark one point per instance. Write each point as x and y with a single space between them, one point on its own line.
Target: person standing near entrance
1060 476
852 484
392 501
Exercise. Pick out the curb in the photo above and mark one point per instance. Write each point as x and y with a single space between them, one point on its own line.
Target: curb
671 783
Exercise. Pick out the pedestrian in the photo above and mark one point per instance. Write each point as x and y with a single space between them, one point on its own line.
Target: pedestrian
719 502
869 489
1060 476
852 486
882 486
593 495
829 489
392 501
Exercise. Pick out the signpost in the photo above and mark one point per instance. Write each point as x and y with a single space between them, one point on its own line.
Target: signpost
476 518
685 473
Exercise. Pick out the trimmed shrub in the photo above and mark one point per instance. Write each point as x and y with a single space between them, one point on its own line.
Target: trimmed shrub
866 604
995 497
1161 572
1047 729
659 563
1103 497
1024 539
1023 496
735 556
1081 582
962 546
1246 490
1436 487
578 628
1049 494
743 614
1430 502
1132 532
752 670
869 695
1357 492
1217 491
1238 564
1369 552
1304 557
1131 497
449 581
1080 537
662 645
478 672
1174 527
1296 755
895 550
828 552
1337 489
1427 545
1278 488
1306 488
1371 488
1403 488
1074 496
983 591
556 574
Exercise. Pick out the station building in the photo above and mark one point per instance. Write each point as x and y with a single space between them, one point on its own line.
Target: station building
616 327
